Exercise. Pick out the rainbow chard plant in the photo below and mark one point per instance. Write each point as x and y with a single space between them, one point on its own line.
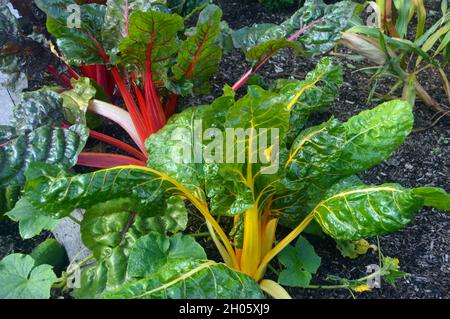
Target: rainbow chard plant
123 40
215 157
143 50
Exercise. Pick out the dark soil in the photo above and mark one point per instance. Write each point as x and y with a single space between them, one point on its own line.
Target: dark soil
423 248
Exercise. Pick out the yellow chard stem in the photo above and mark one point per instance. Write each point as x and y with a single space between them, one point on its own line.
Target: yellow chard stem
222 250
274 290
281 245
251 250
268 236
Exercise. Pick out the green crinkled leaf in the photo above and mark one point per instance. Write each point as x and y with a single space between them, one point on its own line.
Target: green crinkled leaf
253 118
312 152
38 108
191 279
58 194
18 48
227 197
329 152
366 211
7 133
21 279
174 151
269 47
199 55
434 197
154 251
109 272
152 38
108 225
261 40
323 36
8 24
258 109
45 144
80 44
32 221
248 37
373 135
15 80
317 92
174 219
115 24
76 101
175 268
111 231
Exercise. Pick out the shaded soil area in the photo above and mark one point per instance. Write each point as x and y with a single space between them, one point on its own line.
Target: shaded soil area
423 248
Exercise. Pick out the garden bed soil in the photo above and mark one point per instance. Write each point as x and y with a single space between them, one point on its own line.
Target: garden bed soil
423 247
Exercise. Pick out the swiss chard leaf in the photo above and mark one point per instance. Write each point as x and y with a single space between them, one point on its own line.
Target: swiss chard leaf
248 167
18 49
111 230
45 144
38 108
199 54
176 268
185 7
261 41
58 193
151 42
152 253
367 211
78 29
314 94
324 154
117 19
434 197
174 151
22 279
